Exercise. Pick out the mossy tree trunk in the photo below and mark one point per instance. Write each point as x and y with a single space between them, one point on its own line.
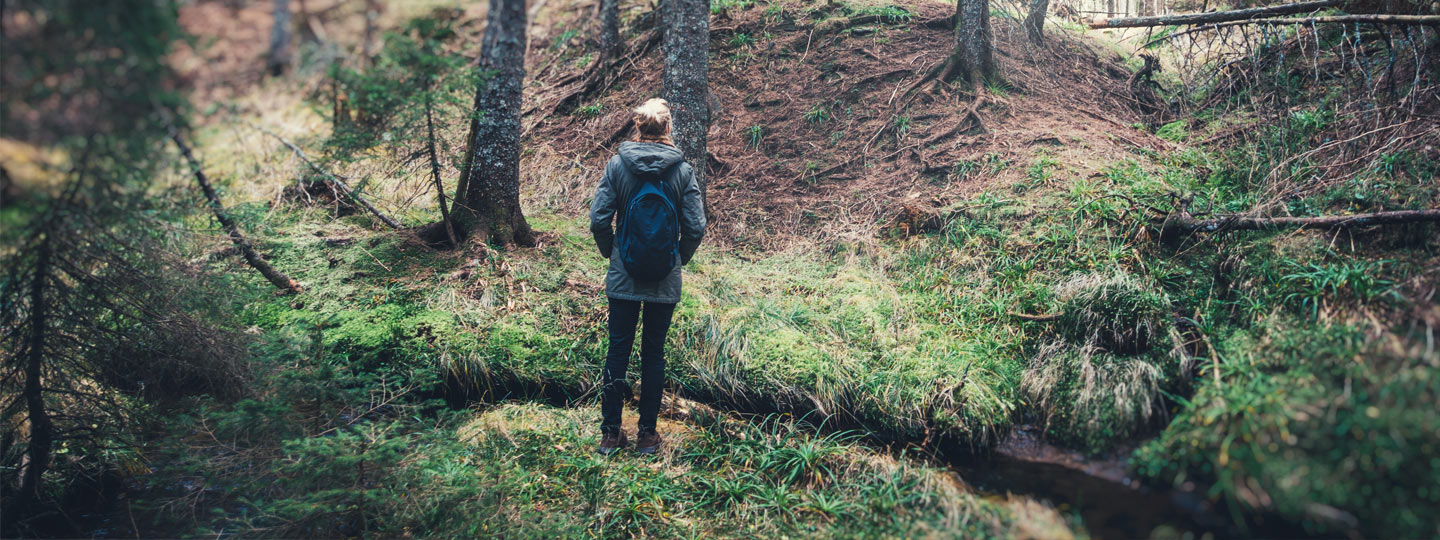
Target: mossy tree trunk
687 71
490 188
974 56
609 28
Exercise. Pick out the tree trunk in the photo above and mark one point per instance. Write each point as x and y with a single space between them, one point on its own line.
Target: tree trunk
974 55
1144 8
492 186
609 28
42 429
1110 8
1035 21
253 258
279 57
687 74
435 166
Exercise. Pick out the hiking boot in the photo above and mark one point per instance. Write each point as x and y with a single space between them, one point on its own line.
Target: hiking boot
647 442
612 441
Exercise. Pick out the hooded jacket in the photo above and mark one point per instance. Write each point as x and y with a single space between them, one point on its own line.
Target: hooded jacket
635 161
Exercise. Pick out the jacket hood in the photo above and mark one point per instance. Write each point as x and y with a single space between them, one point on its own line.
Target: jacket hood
648 159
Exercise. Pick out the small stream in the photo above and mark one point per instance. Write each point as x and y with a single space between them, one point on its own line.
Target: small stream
1111 504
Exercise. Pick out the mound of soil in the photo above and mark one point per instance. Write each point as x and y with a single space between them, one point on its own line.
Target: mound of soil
808 131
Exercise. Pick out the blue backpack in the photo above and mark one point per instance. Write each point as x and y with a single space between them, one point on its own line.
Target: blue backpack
650 229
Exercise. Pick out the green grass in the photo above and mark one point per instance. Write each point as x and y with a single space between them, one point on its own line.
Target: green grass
590 111
817 114
720 6
753 136
1277 371
531 471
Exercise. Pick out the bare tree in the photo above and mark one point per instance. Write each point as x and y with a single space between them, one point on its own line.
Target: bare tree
279 57
687 71
489 188
1035 21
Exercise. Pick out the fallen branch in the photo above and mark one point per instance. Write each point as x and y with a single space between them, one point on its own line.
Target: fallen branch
1410 20
279 279
1183 223
1038 318
337 179
1212 17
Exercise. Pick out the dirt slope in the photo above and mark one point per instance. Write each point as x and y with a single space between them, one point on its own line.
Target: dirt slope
780 169
777 173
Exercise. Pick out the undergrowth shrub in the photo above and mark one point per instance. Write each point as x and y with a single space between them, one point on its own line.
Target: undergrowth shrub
1093 399
1112 312
1317 423
1102 383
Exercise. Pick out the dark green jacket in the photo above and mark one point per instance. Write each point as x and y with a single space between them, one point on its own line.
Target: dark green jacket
634 161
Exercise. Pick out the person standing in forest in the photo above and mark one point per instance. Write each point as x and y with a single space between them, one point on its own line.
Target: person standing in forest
651 195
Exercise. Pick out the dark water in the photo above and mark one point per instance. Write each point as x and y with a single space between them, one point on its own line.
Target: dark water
1108 510
1110 504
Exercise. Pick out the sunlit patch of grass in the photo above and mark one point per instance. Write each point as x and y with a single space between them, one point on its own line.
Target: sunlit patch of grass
719 477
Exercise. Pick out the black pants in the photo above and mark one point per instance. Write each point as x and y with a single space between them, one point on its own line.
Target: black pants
623 316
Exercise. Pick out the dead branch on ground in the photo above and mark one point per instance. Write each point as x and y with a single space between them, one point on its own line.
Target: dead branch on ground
335 178
253 258
1213 17
1185 223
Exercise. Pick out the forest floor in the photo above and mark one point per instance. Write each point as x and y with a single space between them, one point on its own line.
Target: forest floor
856 318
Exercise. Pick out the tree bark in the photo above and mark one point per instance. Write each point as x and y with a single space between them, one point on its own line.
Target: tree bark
492 183
1035 21
253 258
42 429
1213 17
974 55
1184 223
279 57
609 28
686 46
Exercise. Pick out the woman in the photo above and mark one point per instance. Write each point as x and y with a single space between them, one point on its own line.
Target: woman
635 287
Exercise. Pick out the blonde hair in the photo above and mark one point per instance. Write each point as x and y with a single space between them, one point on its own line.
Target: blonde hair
652 121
